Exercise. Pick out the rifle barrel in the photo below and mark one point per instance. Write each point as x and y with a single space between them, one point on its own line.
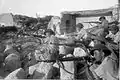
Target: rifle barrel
82 59
92 22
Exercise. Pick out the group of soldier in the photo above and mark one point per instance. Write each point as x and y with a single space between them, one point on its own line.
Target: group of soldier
102 44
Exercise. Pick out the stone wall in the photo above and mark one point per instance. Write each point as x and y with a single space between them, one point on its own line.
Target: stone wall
68 23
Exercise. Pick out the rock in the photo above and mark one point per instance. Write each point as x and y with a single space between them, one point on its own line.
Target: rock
12 62
17 74
69 66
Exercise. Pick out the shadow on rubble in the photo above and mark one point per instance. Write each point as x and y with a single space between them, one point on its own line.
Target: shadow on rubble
3 74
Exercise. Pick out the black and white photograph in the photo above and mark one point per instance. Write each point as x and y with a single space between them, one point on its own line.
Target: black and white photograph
60 39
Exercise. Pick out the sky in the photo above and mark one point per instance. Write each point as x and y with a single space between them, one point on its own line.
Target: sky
51 7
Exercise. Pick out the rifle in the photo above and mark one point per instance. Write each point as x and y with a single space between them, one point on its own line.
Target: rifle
93 22
82 59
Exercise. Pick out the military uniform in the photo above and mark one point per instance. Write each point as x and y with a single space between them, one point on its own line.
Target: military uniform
108 69
104 24
117 37
82 34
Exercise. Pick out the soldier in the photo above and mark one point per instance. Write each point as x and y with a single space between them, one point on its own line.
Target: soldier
104 22
102 40
116 33
82 34
105 66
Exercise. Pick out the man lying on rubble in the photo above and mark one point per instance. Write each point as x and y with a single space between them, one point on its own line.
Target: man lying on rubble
104 66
